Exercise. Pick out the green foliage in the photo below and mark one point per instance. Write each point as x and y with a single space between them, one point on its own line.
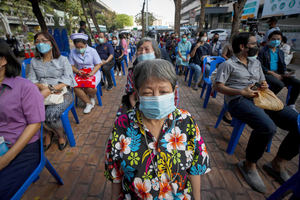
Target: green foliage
123 20
151 18
30 37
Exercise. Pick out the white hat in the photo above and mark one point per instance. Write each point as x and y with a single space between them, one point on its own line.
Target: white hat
79 36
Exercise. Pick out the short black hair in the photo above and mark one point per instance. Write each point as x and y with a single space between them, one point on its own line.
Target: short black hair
284 39
82 23
241 38
216 34
274 33
13 67
114 37
78 40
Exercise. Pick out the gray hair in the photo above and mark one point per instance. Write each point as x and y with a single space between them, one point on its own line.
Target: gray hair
157 68
154 45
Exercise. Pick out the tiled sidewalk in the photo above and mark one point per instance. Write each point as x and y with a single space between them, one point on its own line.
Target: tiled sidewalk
82 167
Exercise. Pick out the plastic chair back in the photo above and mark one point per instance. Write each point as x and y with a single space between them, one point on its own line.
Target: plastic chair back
213 61
64 53
58 40
35 174
65 40
24 66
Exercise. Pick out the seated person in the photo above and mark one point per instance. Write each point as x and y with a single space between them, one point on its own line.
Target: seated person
274 68
84 56
106 53
118 53
183 53
200 49
234 79
21 113
51 68
286 48
151 135
215 46
227 51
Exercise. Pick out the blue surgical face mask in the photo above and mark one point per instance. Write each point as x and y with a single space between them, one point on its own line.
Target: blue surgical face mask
101 40
82 50
147 56
43 47
157 107
274 43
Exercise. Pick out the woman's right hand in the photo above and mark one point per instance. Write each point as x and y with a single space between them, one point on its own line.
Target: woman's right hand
45 92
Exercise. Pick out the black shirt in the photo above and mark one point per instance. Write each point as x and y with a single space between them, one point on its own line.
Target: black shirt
201 51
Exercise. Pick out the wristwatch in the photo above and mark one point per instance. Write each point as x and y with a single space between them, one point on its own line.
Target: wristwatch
51 88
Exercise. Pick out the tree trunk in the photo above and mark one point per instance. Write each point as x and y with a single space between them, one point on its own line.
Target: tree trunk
177 16
38 14
238 10
143 22
92 12
202 15
86 18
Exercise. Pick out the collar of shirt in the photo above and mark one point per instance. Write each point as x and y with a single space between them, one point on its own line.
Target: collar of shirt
9 82
237 60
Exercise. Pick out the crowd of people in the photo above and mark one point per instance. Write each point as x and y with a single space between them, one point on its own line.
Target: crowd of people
155 148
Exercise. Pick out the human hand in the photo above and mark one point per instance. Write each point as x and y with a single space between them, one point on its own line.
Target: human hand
184 60
278 76
92 73
248 93
45 92
3 162
198 44
264 85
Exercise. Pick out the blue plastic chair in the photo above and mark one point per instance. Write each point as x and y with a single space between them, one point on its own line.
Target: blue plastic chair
238 127
65 40
35 174
192 71
57 38
98 94
64 53
112 76
207 80
291 185
288 94
66 123
24 66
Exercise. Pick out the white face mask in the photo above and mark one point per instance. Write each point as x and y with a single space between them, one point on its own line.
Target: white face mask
115 41
203 39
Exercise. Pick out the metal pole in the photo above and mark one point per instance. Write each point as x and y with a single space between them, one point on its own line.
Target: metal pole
147 23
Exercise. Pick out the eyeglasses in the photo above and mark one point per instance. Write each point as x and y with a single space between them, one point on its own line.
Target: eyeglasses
41 41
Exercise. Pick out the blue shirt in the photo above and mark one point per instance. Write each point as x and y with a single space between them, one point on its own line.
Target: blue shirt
105 50
273 60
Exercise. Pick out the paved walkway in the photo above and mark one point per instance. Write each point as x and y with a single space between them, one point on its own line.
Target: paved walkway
82 167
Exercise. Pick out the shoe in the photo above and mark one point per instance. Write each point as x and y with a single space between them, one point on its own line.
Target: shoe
46 147
280 177
116 73
252 178
225 119
109 88
88 108
102 83
293 107
120 73
93 101
195 86
62 146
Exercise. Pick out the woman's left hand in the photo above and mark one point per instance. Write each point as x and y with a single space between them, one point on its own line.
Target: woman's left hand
3 162
45 92
92 73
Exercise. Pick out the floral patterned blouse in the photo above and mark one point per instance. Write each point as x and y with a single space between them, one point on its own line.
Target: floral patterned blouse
155 169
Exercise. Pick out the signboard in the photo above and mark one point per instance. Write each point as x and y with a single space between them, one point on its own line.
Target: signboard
280 7
192 17
250 9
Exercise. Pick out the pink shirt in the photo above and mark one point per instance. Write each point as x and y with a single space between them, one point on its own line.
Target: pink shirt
21 104
125 46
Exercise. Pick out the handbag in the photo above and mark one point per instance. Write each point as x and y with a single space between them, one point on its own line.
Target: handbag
53 99
267 100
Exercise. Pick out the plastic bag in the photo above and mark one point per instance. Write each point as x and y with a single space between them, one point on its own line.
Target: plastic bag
267 100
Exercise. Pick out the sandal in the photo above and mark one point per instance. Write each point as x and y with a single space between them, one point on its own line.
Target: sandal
47 146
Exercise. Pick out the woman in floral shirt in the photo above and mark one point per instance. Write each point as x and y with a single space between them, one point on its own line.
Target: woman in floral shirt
155 151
